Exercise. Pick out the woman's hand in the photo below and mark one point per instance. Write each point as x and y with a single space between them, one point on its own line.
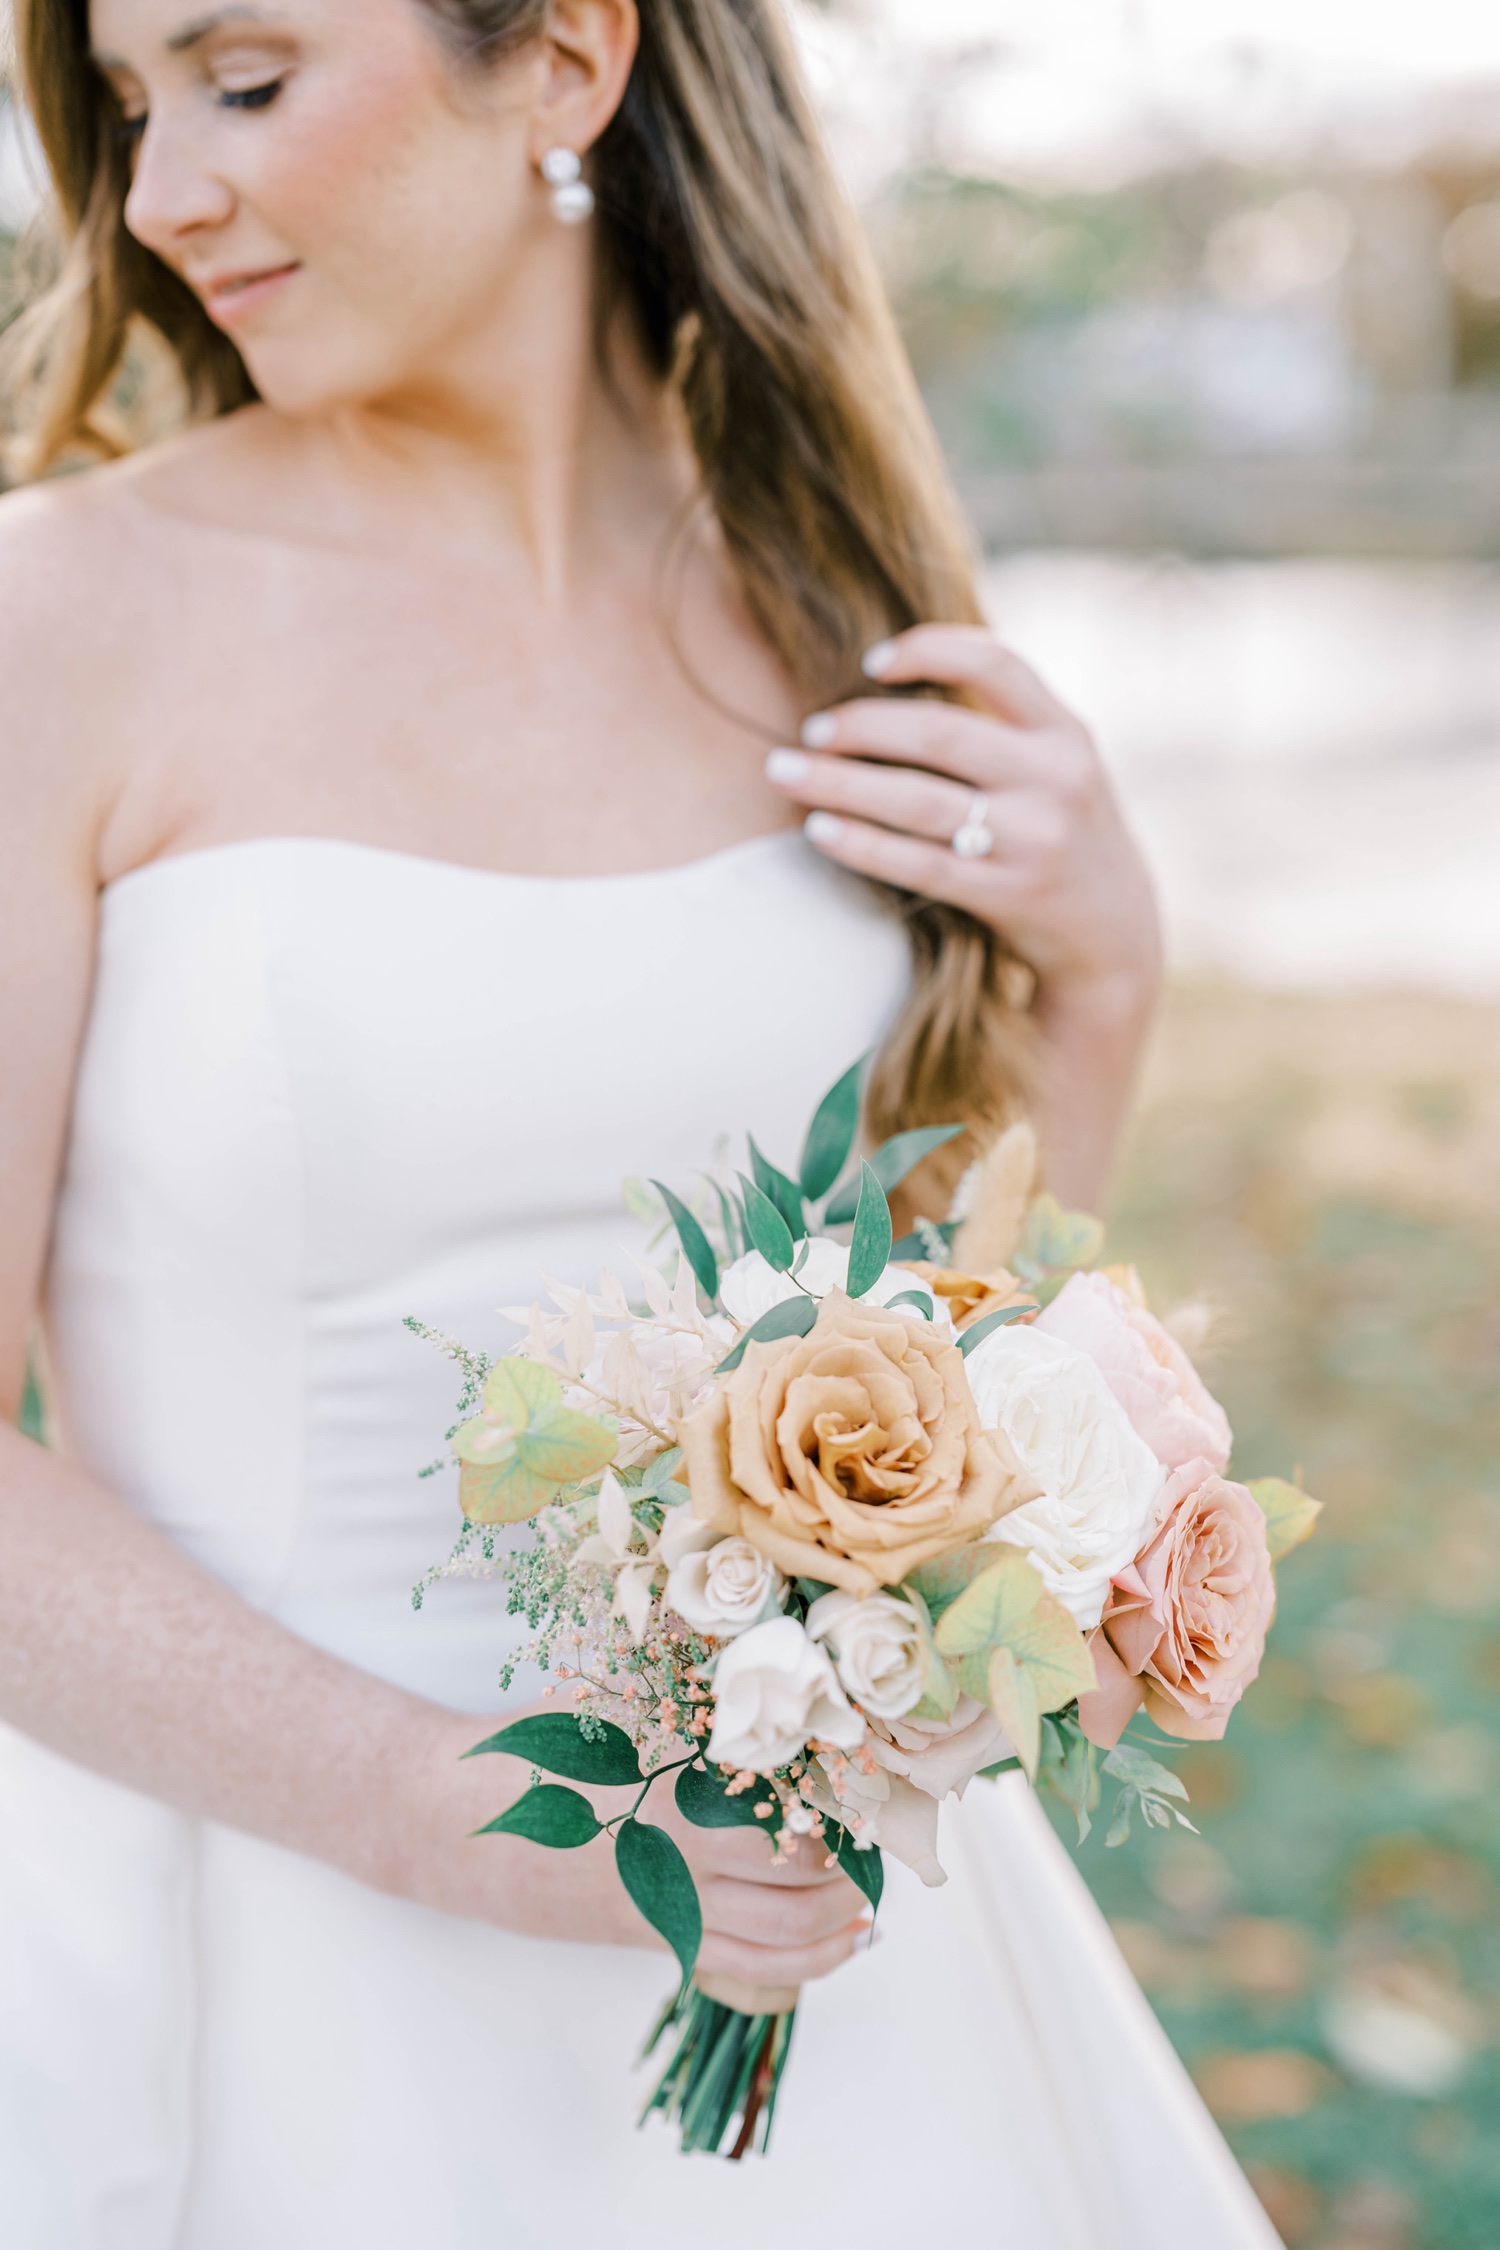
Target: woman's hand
891 783
766 1922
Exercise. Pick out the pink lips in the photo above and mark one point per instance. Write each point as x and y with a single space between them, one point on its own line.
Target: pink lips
229 298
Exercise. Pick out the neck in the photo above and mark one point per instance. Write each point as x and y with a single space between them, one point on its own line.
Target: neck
521 436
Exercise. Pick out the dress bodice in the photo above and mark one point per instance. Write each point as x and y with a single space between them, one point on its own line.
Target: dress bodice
325 1087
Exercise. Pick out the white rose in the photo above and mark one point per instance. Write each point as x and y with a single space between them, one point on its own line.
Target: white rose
774 1691
751 1286
1100 1482
877 1647
723 1589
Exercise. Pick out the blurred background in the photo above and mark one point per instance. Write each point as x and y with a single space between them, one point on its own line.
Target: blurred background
1205 297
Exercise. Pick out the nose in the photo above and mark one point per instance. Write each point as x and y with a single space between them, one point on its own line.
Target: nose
174 194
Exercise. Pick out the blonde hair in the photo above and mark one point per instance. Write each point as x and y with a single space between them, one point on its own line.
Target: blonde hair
722 225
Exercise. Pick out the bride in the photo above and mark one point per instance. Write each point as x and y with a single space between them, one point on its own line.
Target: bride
406 836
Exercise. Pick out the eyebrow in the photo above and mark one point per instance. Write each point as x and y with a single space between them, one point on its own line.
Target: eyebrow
192 34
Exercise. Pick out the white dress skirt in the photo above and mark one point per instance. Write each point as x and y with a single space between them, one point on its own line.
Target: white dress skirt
324 1087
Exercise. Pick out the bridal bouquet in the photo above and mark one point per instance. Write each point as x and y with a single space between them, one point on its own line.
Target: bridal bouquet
829 1524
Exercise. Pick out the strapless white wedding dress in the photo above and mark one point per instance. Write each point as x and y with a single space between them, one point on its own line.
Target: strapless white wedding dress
325 1086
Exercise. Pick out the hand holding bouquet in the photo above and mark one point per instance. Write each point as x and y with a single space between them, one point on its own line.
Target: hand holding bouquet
823 1530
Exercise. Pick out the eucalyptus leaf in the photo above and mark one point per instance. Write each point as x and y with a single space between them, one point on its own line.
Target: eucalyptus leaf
794 1316
830 1136
656 1875
547 1815
702 1797
865 1868
1119 1828
519 1452
870 1247
976 1332
1143 1772
555 1741
784 1193
696 1247
769 1232
662 1470
917 1297
891 1163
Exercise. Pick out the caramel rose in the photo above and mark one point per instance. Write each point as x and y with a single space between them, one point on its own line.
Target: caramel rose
969 1296
852 1454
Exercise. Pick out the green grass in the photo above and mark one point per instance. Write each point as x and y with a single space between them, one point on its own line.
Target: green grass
1324 1172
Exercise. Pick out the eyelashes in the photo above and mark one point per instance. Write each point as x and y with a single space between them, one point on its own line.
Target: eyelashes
128 130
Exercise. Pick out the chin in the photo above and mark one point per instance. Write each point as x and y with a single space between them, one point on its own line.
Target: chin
306 380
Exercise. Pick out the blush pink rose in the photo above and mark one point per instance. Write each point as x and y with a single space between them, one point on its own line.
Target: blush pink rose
1184 1626
1146 1368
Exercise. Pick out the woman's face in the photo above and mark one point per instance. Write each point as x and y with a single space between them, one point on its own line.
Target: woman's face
348 200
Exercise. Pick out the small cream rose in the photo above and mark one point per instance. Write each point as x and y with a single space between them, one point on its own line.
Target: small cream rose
877 1647
721 1590
774 1692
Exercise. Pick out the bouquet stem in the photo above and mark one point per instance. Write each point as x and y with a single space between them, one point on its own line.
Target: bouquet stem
720 2083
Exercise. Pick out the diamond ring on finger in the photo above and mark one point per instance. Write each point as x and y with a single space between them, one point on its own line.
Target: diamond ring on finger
975 839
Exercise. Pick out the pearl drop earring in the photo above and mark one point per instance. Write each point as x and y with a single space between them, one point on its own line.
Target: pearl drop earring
572 198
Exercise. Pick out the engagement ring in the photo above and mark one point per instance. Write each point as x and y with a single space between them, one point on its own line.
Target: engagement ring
975 839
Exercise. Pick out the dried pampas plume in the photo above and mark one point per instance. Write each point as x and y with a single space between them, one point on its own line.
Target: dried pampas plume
995 1196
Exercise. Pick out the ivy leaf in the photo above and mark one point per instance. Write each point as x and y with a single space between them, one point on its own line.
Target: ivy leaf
939 1686
866 1869
830 1136
1054 1240
526 1445
1290 1514
557 1743
784 1193
976 1332
697 1248
941 1582
656 1875
1143 1772
891 1163
792 1317
769 1232
870 1249
547 1815
703 1798
1017 1649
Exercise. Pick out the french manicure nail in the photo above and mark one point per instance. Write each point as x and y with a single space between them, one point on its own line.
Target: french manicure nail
822 828
787 765
819 730
877 660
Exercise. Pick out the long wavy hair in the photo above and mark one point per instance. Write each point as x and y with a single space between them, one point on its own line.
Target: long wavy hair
722 226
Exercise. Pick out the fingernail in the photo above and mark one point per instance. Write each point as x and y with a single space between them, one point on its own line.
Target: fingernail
819 730
877 660
822 828
787 765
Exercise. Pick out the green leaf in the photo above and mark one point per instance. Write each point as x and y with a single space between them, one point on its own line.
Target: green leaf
891 1163
784 1193
660 1471
941 1582
830 1136
1016 1648
730 1218
1069 1768
769 1232
792 1317
1290 1514
1127 1763
703 1799
656 1875
697 1248
976 1332
526 1445
870 1248
1054 1240
939 1685
556 1742
1119 1827
917 1297
910 1248
866 1868
547 1815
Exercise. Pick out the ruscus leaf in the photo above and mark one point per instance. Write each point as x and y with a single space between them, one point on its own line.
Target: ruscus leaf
556 1742
976 1333
696 1247
784 1193
830 1136
866 1869
656 1875
547 1815
917 1297
702 1797
870 1248
769 1232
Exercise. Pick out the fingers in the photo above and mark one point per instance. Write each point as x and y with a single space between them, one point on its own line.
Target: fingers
968 656
776 1965
746 1854
988 888
768 1914
966 744
925 804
